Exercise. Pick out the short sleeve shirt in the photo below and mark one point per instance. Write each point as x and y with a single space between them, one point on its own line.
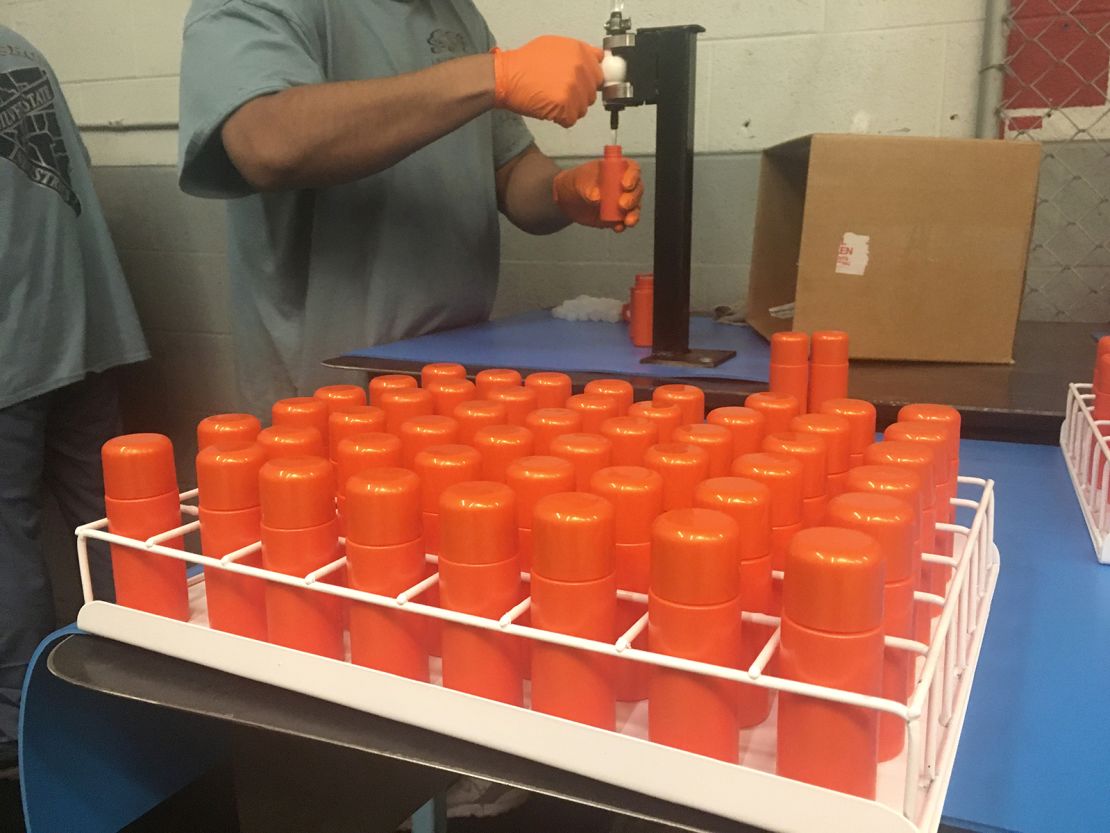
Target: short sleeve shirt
318 272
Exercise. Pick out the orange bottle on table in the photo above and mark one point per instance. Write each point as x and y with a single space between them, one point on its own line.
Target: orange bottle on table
479 574
496 377
438 468
380 385
613 166
666 417
548 423
299 535
630 438
636 494
588 453
278 441
476 414
682 467
943 415
301 412
777 409
402 405
519 401
790 366
828 368
905 485
500 446
362 452
350 422
837 433
641 311
227 428
422 432
594 410
748 502
690 398
891 522
532 478
230 513
812 452
448 394
694 613
861 419
552 389
715 439
385 555
338 397
141 499
747 426
832 635
439 372
574 592
617 389
937 437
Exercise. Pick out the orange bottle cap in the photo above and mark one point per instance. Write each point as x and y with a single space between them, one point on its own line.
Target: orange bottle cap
682 467
748 427
499 446
138 466
227 428
360 452
914 456
476 414
630 437
666 417
383 507
477 523
444 465
337 397
519 401
448 394
548 423
895 481
829 347
637 497
837 433
746 501
861 417
887 519
552 389
937 436
381 384
617 389
810 450
694 557
297 492
834 581
586 452
572 537
227 476
777 408
783 476
944 414
300 412
422 431
496 377
440 371
790 348
402 405
532 478
594 409
359 419
716 440
280 441
690 398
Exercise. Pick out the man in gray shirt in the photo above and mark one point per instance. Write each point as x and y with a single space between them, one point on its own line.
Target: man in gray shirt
365 149
66 317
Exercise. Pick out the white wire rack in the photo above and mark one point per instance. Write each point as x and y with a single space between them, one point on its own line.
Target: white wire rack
911 787
1087 455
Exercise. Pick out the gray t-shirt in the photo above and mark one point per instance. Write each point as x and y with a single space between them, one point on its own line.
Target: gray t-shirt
65 309
315 273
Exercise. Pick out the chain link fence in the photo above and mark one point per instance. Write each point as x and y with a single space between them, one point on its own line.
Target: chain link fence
1055 91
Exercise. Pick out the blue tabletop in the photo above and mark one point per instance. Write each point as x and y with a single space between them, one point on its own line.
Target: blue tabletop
1034 756
538 341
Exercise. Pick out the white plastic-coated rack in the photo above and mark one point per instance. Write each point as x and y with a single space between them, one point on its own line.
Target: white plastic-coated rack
1087 455
911 787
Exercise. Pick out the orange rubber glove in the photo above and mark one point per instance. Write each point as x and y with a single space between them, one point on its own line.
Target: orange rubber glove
550 78
578 195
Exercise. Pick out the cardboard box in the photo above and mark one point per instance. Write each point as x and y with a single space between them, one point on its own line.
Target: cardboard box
915 246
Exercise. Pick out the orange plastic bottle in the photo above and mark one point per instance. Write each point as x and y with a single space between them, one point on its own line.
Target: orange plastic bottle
694 613
227 428
861 417
594 410
630 437
390 382
747 426
350 422
715 439
532 478
496 377
548 423
891 522
499 446
617 389
439 372
552 389
574 592
402 405
230 518
519 401
588 453
790 366
812 452
636 494
666 417
362 452
480 574
301 412
613 165
338 397
277 441
448 394
690 398
682 467
777 409
438 468
831 634
141 498
641 308
828 369
936 436
299 535
423 432
476 414
748 502
837 433
385 555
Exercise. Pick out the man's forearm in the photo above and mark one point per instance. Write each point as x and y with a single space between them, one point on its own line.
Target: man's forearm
325 134
524 188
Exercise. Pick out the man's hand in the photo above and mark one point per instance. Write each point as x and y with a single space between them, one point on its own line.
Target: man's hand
578 195
550 78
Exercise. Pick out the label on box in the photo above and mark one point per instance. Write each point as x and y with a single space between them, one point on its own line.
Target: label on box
853 254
